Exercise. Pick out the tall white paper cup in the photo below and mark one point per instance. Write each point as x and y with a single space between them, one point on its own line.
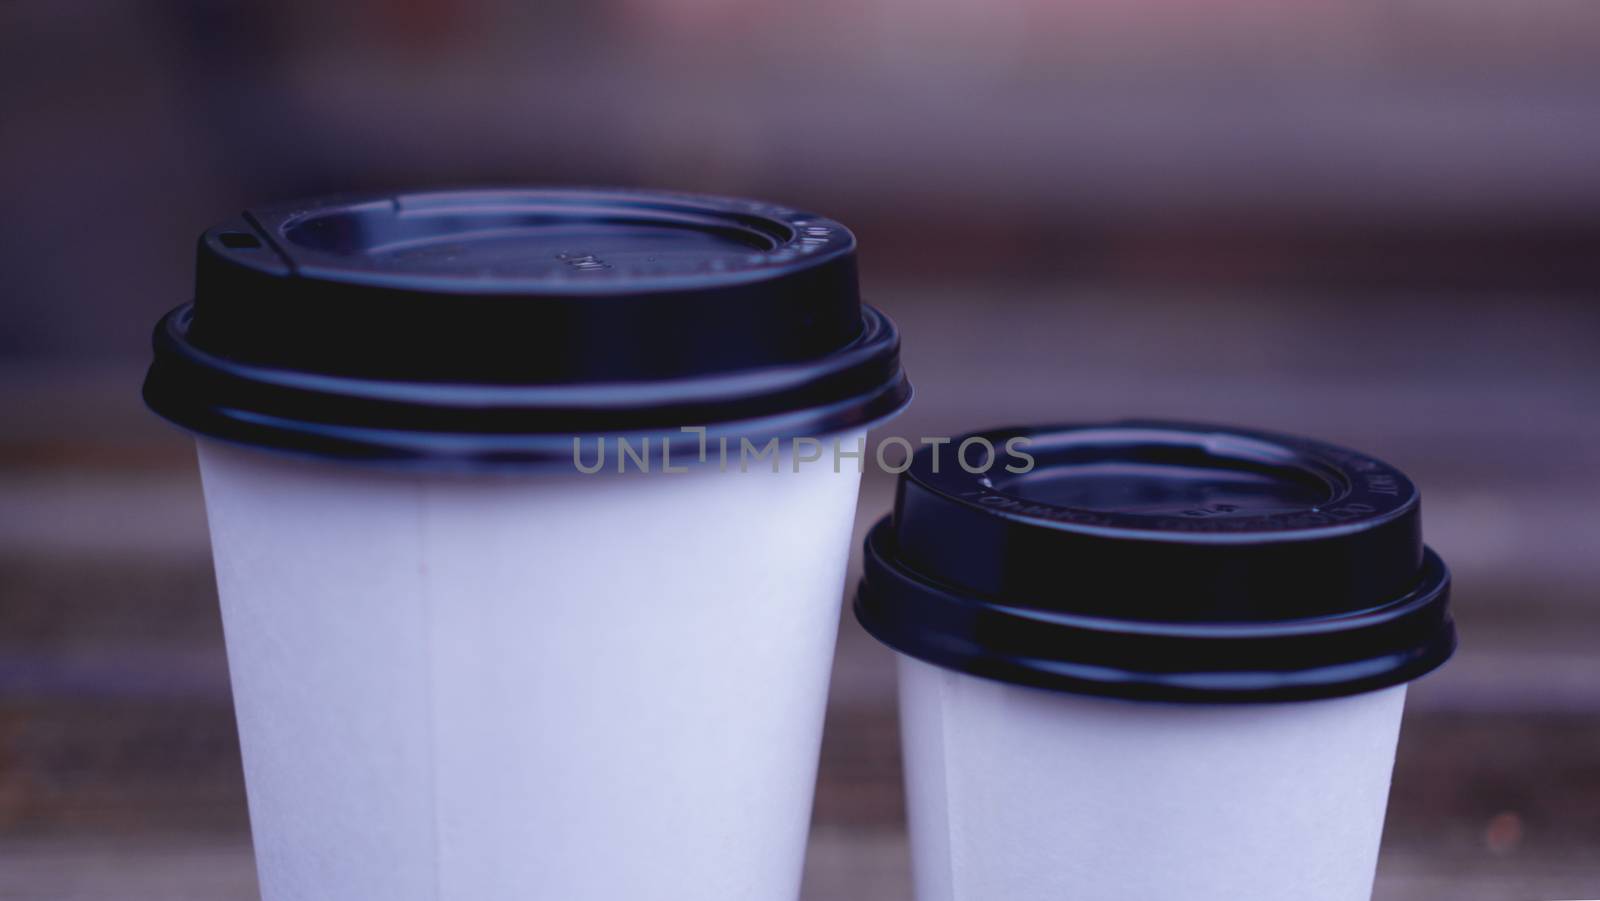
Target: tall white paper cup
1022 793
496 688
530 511
1164 661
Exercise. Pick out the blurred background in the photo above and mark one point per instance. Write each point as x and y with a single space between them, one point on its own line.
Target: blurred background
1376 224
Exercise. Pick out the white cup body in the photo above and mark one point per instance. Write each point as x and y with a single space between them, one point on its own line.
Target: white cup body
560 687
1026 794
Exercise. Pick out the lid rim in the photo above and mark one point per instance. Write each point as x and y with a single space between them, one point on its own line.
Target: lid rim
374 421
1396 642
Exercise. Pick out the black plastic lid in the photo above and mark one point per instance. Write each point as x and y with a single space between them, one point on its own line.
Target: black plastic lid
1161 561
491 326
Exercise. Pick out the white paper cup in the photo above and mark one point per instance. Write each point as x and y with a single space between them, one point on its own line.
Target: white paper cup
1023 793
1168 661
574 687
465 667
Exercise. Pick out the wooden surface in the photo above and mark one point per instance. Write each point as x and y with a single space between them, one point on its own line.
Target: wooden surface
119 771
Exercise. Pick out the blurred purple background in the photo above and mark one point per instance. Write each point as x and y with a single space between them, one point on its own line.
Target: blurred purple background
1374 224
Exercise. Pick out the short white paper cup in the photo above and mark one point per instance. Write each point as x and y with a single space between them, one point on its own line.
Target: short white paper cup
1165 661
1027 794
487 688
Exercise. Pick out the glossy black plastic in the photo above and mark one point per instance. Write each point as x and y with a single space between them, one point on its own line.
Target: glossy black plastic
490 326
1162 561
